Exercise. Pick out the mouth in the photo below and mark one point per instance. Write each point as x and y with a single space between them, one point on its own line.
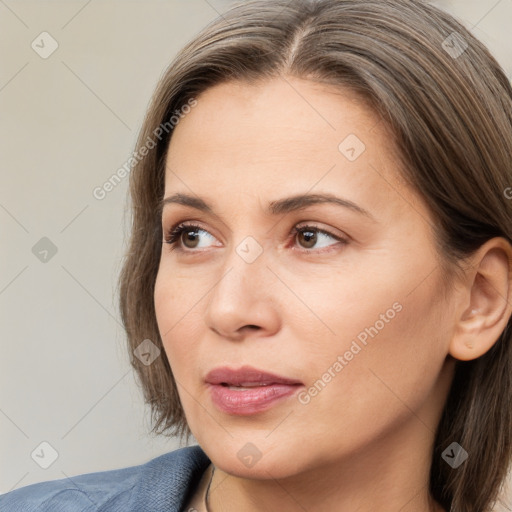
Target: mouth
245 385
246 376
248 390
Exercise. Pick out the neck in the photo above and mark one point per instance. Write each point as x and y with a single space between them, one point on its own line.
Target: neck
387 476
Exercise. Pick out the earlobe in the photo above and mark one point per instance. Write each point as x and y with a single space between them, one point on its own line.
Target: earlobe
486 301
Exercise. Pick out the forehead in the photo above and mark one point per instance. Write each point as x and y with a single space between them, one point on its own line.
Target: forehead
284 136
280 114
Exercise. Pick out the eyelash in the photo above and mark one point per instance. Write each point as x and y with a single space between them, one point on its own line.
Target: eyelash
173 236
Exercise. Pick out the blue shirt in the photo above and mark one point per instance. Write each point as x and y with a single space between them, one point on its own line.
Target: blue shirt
164 484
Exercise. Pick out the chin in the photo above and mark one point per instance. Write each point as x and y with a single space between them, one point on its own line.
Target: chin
262 470
258 459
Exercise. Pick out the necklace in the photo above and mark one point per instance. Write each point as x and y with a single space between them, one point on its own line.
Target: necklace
208 491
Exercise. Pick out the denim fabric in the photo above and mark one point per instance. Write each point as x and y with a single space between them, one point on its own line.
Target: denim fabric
163 484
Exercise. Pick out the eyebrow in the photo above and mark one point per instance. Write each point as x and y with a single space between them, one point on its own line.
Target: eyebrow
278 207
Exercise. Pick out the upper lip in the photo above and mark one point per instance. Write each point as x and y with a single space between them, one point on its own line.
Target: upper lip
246 375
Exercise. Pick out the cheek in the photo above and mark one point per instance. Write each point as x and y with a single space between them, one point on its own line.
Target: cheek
387 358
178 319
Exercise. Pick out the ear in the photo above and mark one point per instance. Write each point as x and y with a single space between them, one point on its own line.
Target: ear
486 301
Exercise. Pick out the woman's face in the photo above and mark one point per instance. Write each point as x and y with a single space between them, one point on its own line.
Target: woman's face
351 306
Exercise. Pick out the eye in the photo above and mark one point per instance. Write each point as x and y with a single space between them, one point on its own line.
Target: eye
187 233
185 237
310 235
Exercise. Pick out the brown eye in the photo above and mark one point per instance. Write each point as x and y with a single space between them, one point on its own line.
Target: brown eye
185 236
309 238
190 238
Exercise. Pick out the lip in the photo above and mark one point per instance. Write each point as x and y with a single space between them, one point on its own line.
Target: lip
270 389
226 375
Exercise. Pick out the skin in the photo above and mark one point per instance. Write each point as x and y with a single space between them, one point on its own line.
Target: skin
364 442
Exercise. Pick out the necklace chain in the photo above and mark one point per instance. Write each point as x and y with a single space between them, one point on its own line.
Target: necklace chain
208 491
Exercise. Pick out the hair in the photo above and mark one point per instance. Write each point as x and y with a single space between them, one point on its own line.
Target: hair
450 116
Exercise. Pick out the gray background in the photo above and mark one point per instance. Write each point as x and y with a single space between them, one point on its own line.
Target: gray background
68 122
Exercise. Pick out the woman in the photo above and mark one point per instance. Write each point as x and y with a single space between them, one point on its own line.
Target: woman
321 248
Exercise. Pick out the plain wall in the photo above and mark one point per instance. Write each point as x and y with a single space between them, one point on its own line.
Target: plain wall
68 122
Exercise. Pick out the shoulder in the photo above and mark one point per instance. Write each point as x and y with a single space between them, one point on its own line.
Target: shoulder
161 484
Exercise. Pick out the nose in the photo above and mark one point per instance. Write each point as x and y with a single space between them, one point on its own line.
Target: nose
244 301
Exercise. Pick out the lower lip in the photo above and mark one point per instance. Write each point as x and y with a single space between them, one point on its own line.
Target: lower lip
250 401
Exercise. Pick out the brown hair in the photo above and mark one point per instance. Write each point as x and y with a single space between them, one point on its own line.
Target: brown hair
448 105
